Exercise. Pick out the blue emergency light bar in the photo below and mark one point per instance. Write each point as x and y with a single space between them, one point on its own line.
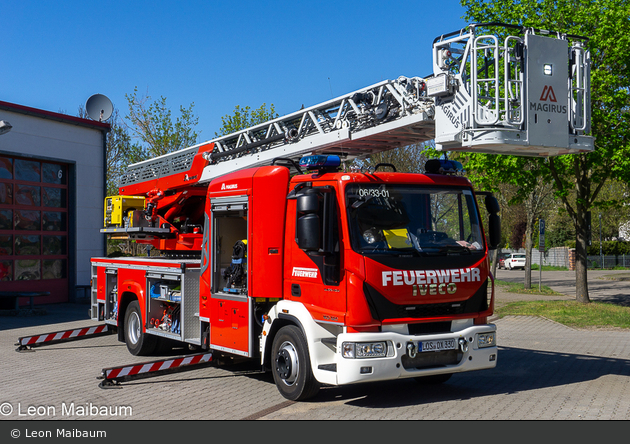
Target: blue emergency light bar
317 162
443 166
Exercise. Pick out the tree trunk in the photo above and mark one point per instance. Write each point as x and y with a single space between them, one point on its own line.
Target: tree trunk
495 259
581 281
584 198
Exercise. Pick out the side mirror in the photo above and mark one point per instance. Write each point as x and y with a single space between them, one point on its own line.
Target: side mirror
492 204
494 222
494 231
308 230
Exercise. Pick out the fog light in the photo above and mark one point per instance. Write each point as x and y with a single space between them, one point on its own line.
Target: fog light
486 340
366 370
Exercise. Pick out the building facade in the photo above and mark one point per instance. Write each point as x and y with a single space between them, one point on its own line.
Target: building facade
52 186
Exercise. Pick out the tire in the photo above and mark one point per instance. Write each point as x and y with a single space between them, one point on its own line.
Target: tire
291 365
434 379
138 343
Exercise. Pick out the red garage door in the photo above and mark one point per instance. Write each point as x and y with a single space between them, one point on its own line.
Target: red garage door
34 227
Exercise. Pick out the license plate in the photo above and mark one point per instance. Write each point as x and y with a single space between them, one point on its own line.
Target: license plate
437 345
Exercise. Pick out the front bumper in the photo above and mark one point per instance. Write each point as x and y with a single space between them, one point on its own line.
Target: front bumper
400 362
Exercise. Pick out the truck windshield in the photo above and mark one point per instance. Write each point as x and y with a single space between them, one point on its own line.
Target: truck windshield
416 219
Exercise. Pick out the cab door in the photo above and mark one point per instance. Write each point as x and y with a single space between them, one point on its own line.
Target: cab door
313 265
230 302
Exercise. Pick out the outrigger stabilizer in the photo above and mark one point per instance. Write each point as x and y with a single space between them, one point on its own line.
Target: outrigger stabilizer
113 376
27 343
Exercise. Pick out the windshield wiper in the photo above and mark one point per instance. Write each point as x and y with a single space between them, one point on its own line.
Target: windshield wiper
454 249
407 251
394 250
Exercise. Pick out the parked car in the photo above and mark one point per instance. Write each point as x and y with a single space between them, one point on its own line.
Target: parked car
514 260
501 260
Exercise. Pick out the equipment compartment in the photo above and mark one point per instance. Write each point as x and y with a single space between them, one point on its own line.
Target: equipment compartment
164 311
173 303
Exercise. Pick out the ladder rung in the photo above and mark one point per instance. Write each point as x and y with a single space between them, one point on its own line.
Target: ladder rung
329 126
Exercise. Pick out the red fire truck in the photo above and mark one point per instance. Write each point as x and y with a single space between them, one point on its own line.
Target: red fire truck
274 247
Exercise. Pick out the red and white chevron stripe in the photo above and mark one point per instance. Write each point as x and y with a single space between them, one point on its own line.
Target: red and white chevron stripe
155 366
62 335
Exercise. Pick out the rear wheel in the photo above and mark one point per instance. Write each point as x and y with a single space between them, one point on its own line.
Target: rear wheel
291 366
138 343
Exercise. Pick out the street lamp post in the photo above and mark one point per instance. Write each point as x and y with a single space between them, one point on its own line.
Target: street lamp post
601 255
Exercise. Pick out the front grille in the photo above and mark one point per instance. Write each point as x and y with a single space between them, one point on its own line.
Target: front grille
429 310
429 328
382 308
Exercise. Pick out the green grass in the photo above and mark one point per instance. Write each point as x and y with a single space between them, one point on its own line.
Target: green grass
514 287
571 313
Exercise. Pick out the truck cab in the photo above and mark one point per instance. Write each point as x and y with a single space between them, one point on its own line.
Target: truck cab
347 276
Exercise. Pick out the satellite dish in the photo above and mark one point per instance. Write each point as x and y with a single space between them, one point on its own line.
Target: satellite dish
99 107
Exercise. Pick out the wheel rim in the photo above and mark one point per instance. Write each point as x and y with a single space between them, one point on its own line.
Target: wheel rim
287 364
133 329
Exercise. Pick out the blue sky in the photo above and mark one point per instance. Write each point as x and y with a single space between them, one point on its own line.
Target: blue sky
217 54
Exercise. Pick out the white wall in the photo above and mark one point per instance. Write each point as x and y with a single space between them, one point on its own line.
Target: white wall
69 143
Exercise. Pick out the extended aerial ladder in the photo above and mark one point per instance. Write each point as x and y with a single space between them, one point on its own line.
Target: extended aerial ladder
490 92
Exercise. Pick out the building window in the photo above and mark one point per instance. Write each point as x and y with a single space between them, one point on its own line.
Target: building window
33 220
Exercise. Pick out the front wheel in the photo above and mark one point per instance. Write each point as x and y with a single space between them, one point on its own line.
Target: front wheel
291 366
138 343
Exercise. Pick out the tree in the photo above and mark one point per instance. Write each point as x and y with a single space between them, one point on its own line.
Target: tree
614 206
533 191
407 159
152 124
156 133
243 118
119 150
582 176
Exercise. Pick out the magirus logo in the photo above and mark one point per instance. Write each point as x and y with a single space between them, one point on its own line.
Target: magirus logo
548 95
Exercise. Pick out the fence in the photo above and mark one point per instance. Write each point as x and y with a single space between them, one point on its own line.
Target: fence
608 261
555 257
565 257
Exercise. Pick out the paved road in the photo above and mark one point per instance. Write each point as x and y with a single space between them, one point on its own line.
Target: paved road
612 286
545 371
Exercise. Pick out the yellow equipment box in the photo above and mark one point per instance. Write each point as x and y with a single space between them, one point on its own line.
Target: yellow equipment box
118 208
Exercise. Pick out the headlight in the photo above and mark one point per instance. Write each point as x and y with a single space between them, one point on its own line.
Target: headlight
364 350
486 340
369 236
